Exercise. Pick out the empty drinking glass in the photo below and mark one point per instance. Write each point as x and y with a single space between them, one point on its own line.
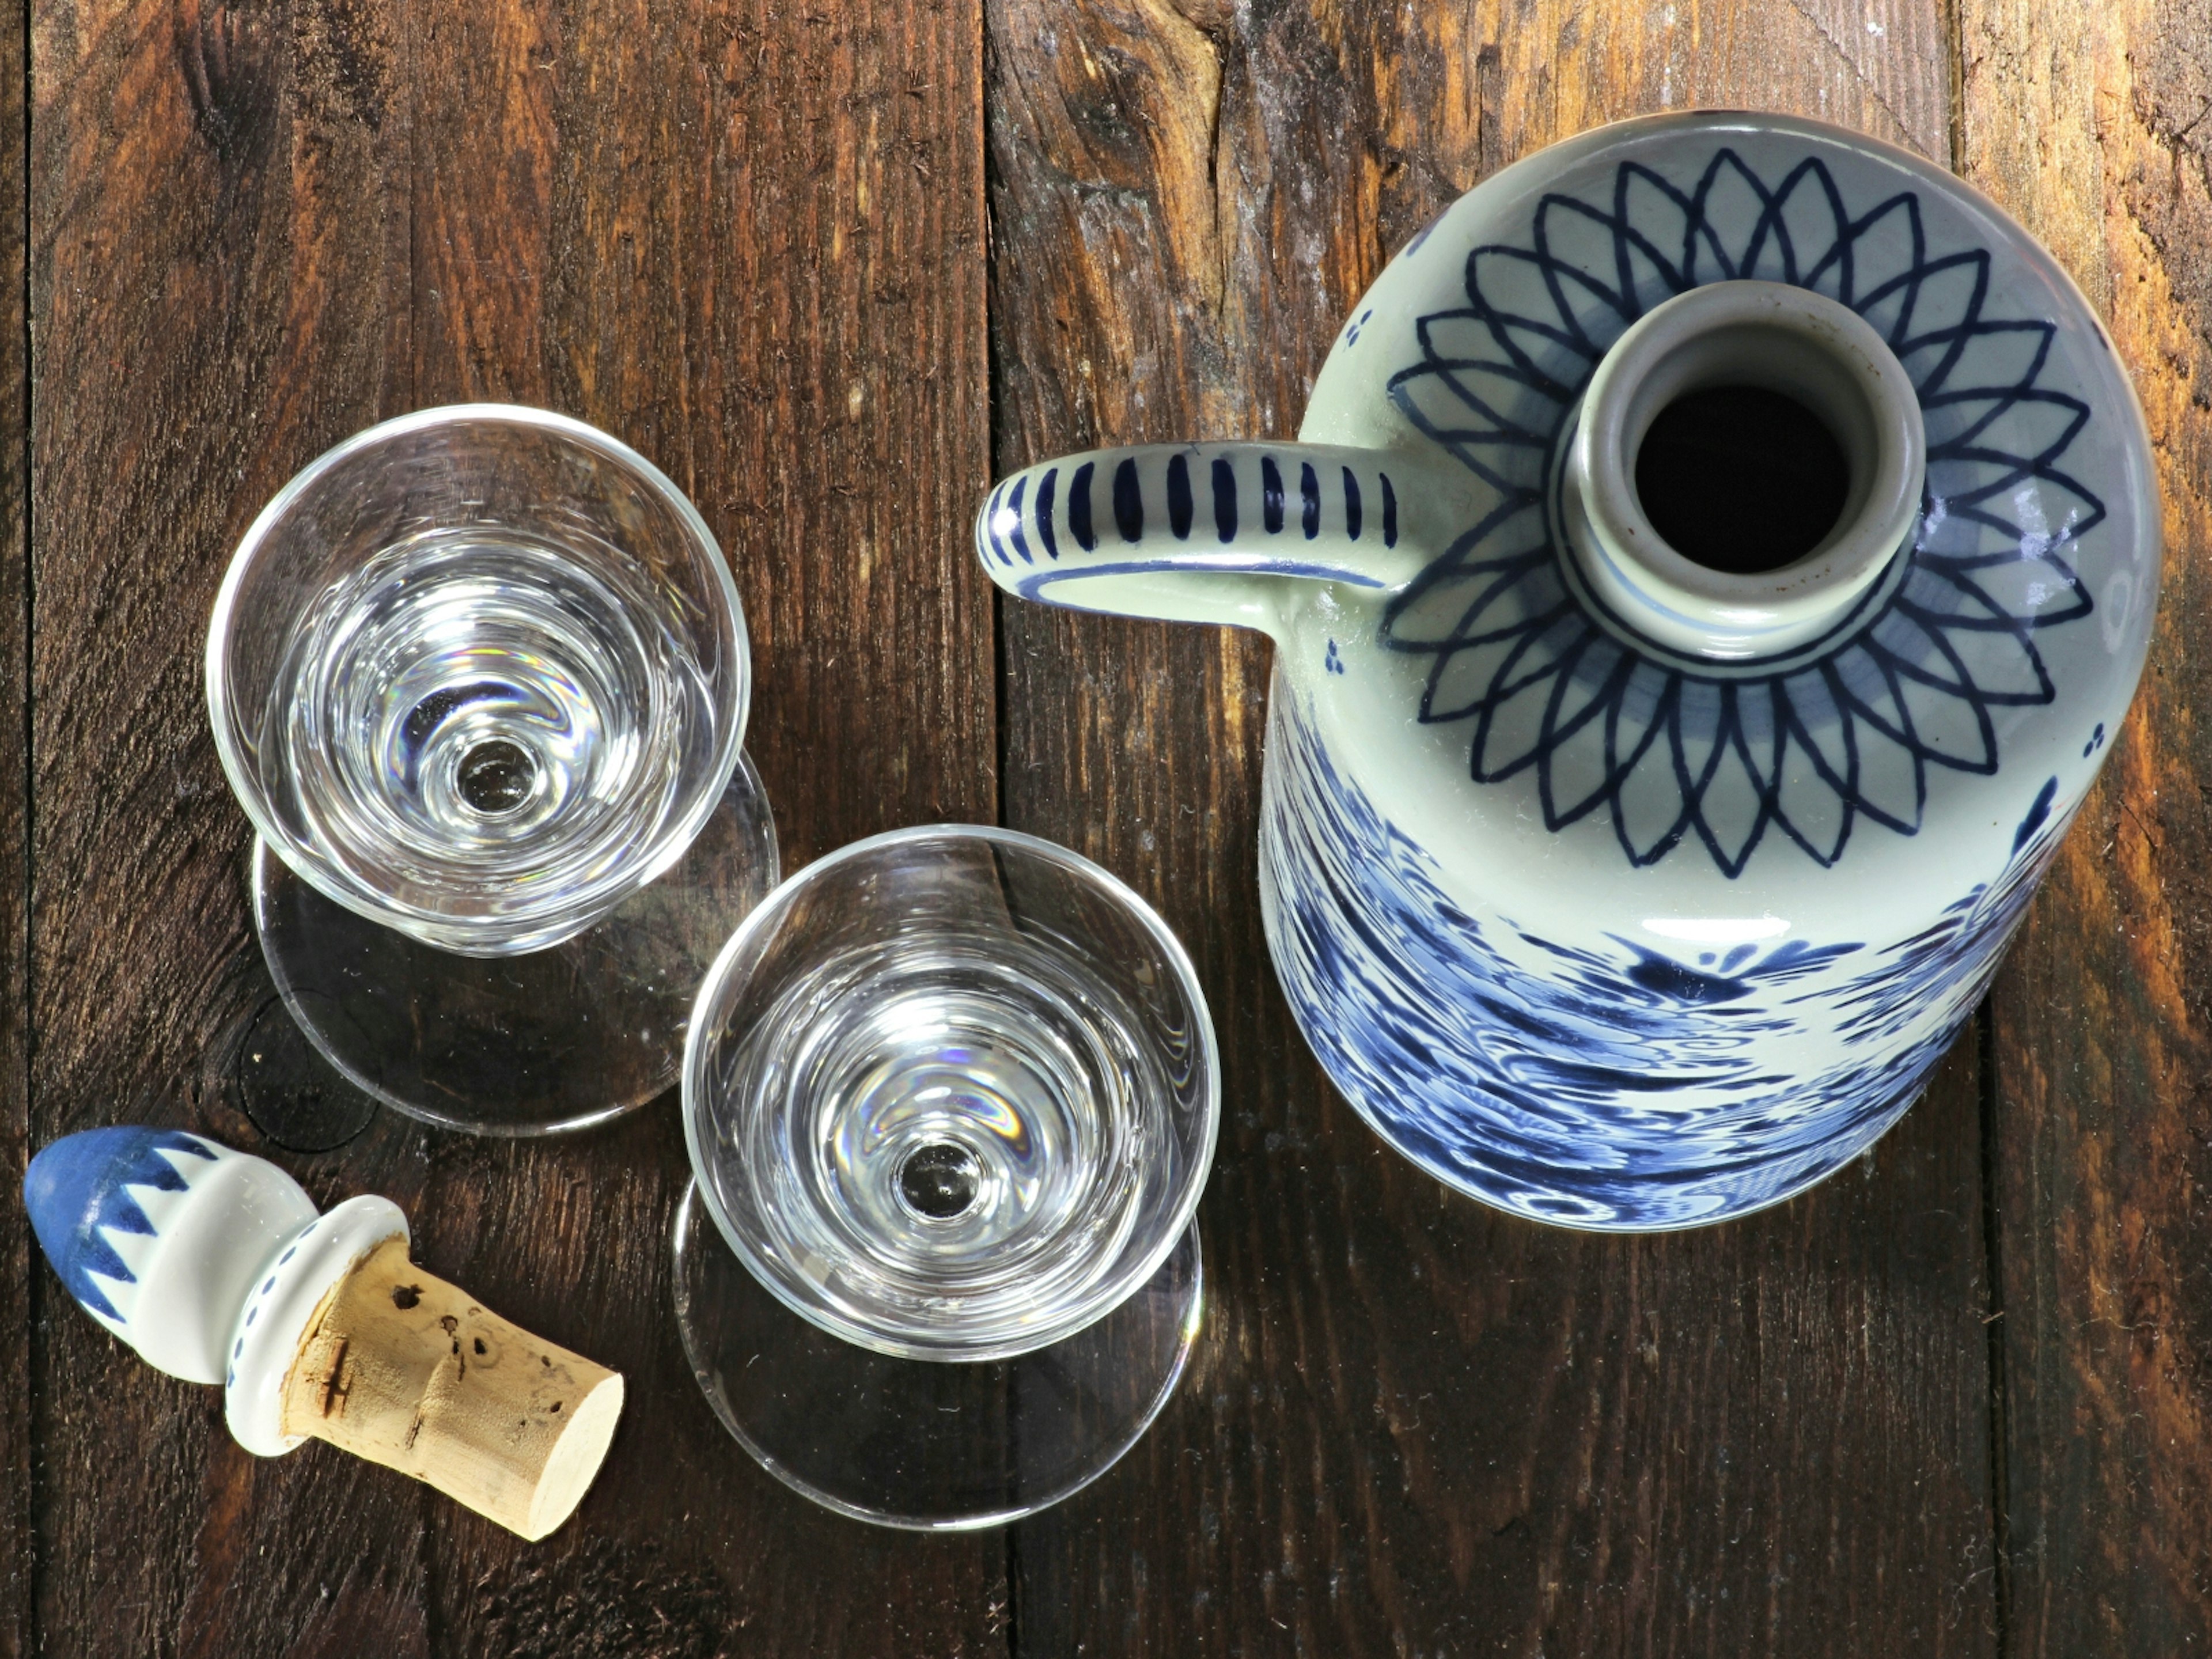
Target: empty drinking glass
479 678
951 1096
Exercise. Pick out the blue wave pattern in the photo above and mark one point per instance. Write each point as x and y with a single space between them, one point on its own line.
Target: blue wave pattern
1801 746
1615 1088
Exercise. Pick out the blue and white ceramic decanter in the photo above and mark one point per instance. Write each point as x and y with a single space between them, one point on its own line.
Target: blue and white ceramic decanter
1716 555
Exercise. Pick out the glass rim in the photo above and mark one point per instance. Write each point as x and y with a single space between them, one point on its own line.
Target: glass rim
245 787
1113 1292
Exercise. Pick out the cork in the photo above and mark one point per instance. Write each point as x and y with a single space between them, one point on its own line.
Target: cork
401 1368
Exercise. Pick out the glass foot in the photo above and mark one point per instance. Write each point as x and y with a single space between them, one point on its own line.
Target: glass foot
928 1444
558 1039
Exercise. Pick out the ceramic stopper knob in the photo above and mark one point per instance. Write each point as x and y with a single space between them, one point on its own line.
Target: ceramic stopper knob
217 1268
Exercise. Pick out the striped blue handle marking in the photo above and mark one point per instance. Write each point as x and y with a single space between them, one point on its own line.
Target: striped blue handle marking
1179 498
1014 513
1079 508
1005 535
1044 512
1128 501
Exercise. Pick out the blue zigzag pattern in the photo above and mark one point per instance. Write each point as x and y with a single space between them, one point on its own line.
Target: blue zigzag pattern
78 1191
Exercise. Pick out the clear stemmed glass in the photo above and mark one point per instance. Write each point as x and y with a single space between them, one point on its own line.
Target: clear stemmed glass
951 1096
479 678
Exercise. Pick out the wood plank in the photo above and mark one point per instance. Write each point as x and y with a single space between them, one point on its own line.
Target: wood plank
2087 123
207 313
17 1539
745 237
1414 1425
705 229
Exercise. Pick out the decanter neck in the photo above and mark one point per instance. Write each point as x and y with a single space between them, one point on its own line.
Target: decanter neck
1768 358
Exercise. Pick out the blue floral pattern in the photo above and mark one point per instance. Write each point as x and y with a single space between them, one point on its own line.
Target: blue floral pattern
1611 1086
1805 745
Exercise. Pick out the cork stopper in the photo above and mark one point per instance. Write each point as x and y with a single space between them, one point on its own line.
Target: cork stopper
401 1368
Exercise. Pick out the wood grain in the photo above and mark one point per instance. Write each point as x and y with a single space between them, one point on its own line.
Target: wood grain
1415 1425
193 231
749 236
18 1538
745 237
2089 124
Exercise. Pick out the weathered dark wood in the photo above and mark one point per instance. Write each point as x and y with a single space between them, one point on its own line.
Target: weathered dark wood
1415 1425
17 1541
745 237
704 229
207 312
2089 124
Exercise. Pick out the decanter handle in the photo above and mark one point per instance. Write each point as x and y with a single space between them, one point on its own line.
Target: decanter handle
1216 533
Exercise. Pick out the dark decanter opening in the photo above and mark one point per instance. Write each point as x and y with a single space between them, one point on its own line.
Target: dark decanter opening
1741 479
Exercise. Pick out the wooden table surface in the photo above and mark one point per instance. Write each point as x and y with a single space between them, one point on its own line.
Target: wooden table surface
833 263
